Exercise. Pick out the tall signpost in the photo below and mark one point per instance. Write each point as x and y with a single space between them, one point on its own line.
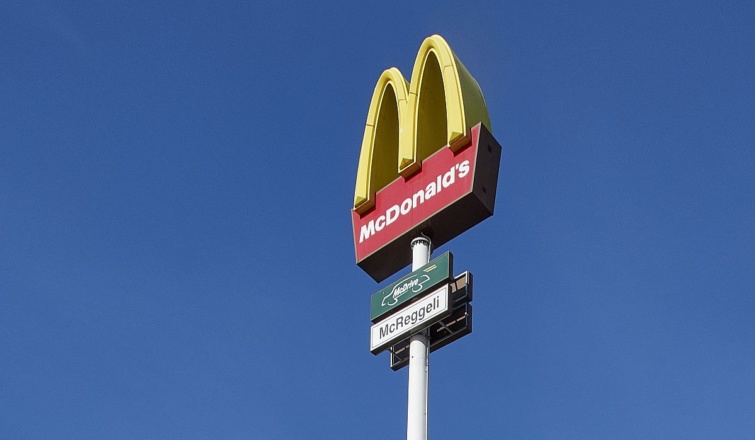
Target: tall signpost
428 171
419 360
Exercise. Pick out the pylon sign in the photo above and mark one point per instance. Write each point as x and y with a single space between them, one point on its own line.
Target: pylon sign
428 162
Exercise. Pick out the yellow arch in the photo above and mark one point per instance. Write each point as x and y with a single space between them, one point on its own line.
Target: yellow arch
437 109
444 102
378 159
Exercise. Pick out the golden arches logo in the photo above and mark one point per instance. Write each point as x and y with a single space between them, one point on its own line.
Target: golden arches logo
408 122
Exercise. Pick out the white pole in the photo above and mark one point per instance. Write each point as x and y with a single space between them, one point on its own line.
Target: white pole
416 425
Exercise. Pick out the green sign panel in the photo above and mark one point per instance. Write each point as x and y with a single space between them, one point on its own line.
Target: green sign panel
411 286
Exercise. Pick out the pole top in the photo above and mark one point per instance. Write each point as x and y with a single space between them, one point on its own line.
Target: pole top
421 240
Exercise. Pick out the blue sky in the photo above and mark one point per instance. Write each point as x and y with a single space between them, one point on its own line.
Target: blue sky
175 186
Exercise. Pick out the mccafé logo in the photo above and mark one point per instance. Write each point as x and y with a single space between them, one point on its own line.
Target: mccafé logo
428 162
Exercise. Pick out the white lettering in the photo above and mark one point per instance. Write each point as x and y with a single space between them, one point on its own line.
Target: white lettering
463 169
430 190
449 178
406 206
418 195
366 231
392 214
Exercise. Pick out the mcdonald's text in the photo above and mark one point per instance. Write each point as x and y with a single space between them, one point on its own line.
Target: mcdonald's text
453 191
394 212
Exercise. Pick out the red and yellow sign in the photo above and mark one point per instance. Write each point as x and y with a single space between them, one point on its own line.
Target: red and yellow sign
428 162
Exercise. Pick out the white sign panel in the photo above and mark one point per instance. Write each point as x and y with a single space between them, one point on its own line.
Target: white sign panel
417 316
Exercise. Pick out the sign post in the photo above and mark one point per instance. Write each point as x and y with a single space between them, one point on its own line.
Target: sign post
428 170
419 360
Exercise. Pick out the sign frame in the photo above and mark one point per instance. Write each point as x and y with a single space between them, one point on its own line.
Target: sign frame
439 311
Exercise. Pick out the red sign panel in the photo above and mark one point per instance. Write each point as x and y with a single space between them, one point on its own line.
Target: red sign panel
451 193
